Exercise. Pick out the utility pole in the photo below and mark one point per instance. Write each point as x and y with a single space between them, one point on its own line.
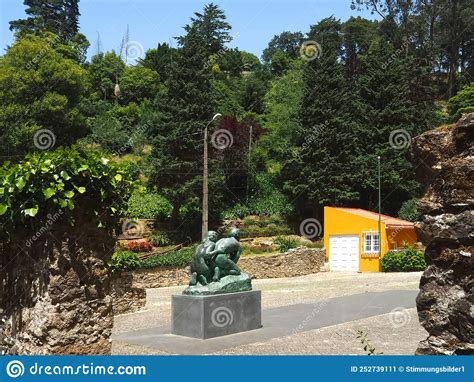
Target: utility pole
99 43
248 166
380 207
127 38
205 182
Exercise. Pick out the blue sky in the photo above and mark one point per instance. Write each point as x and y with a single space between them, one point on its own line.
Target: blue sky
254 22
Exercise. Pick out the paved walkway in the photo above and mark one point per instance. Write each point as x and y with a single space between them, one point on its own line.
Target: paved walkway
314 314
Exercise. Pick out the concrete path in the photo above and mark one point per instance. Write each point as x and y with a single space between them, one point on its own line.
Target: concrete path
342 302
279 322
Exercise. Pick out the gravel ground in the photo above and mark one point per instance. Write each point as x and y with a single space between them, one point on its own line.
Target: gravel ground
388 335
385 336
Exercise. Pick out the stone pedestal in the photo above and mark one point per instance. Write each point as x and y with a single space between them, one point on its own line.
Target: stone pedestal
216 315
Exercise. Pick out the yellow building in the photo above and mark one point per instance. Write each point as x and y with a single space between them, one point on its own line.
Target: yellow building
351 238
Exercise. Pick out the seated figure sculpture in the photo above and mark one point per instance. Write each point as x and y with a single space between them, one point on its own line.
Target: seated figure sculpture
225 256
213 267
201 266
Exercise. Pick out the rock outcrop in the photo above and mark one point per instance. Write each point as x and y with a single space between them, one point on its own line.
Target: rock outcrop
56 293
125 297
444 159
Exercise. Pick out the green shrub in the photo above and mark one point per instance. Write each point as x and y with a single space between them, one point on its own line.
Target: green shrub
124 261
268 230
285 243
66 181
391 262
238 211
251 221
263 221
159 239
463 102
406 260
257 249
408 211
257 226
108 132
148 206
178 258
267 201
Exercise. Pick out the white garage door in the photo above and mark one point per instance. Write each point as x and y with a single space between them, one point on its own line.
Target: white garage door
344 253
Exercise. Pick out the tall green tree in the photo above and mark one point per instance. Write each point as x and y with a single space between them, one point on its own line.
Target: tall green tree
184 112
358 34
286 42
72 14
39 89
282 107
105 69
212 27
159 59
397 106
321 169
442 30
60 17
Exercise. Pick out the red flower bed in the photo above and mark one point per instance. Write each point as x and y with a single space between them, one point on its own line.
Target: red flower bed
138 246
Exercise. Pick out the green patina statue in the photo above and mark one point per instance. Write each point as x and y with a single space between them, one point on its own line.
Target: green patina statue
202 268
214 267
225 255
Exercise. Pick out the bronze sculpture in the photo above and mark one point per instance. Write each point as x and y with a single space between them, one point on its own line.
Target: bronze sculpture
217 261
226 255
201 268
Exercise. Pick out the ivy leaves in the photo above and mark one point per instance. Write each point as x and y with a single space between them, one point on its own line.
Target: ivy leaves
44 183
48 193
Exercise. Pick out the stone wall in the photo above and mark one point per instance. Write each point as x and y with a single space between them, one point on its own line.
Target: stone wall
296 262
125 297
445 164
55 295
161 277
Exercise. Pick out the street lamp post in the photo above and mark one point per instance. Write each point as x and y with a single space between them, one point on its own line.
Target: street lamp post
205 182
380 204
248 165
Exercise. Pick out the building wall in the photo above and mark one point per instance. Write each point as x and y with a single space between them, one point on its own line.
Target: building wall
337 222
399 237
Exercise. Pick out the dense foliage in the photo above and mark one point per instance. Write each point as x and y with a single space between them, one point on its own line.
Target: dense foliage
406 260
285 243
463 102
68 182
159 239
178 258
40 89
408 211
148 206
124 261
304 126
